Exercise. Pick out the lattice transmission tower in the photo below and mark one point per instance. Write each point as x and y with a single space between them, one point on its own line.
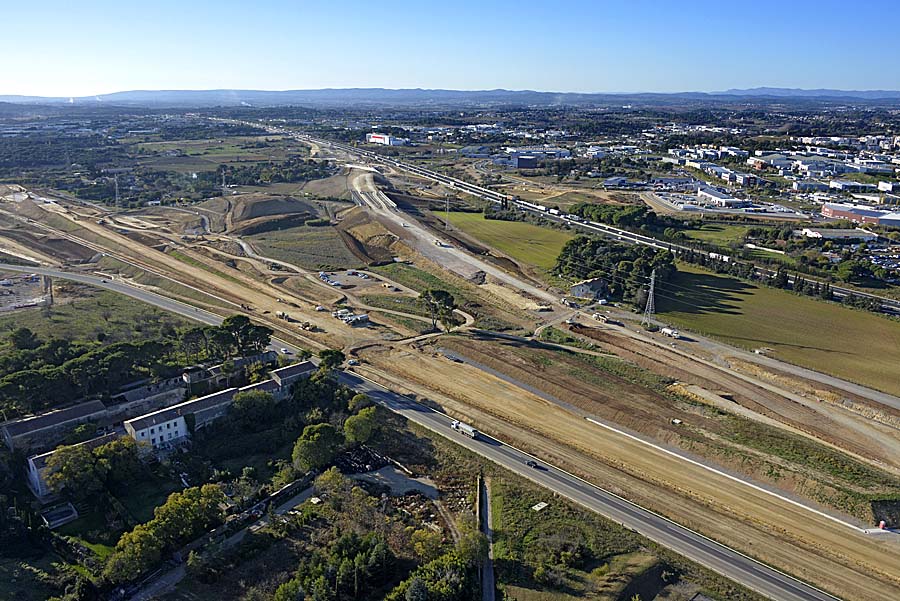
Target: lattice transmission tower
650 309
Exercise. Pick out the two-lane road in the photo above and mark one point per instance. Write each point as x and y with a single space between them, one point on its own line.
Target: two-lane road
717 557
157 300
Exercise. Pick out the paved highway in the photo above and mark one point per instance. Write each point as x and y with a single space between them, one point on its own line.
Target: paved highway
719 558
140 294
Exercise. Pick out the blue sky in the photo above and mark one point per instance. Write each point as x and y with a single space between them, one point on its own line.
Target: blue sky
66 48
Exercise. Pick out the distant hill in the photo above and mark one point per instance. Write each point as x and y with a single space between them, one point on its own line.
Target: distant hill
820 93
430 98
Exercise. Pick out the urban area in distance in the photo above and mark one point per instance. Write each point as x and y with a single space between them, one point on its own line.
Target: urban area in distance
408 343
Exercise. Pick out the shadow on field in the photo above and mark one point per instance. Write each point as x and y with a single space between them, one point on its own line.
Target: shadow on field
702 293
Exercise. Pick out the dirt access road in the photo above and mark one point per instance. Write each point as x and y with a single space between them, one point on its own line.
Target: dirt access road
875 441
835 557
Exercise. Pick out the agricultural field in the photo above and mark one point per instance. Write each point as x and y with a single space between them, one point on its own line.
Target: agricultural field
523 242
852 344
309 247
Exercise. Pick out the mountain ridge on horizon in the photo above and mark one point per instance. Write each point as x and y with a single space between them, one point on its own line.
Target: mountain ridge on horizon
377 96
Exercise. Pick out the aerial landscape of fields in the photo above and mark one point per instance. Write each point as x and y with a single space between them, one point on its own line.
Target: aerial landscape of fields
271 332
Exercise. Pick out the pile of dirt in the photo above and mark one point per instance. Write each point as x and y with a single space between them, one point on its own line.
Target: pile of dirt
261 225
53 246
253 206
366 238
329 187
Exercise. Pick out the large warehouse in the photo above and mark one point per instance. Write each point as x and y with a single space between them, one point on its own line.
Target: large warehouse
860 214
386 140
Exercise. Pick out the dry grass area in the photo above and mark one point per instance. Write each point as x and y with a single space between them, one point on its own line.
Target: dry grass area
620 392
853 432
784 535
334 186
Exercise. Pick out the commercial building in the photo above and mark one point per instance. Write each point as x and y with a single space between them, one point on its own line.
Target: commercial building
525 161
545 151
386 140
860 214
845 185
720 199
839 234
809 185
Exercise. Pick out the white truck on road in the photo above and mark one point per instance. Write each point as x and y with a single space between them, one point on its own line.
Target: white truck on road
464 429
670 332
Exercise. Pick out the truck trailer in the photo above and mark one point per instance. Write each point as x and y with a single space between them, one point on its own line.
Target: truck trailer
464 429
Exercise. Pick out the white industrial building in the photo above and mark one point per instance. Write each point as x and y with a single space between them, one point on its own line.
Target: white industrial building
386 140
720 199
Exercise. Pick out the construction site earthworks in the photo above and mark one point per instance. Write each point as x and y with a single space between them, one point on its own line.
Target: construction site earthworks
784 465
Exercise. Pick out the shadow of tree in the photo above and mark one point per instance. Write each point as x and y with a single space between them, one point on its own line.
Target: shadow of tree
702 293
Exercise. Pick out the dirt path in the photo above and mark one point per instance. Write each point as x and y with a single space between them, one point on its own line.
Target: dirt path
446 255
865 438
782 534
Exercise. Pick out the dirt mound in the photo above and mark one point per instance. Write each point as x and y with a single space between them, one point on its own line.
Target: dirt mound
254 206
368 240
60 248
268 224
329 187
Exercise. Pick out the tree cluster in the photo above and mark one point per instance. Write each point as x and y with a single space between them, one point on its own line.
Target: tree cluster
83 472
352 567
626 269
184 516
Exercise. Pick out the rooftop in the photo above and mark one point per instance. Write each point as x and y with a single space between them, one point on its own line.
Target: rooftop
27 425
297 369
175 411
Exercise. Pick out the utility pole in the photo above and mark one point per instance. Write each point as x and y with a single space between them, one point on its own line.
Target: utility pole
116 180
447 212
649 310
224 193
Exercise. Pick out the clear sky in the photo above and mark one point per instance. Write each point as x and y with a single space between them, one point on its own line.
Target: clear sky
69 48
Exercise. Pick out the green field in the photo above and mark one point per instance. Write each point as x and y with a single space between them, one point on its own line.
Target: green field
851 344
522 241
718 234
84 312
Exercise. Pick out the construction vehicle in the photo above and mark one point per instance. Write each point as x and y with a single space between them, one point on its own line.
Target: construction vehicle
600 317
670 332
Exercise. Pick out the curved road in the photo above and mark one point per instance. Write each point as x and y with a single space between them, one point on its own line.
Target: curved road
140 294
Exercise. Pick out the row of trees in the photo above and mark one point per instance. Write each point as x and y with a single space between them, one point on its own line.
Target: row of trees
781 279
